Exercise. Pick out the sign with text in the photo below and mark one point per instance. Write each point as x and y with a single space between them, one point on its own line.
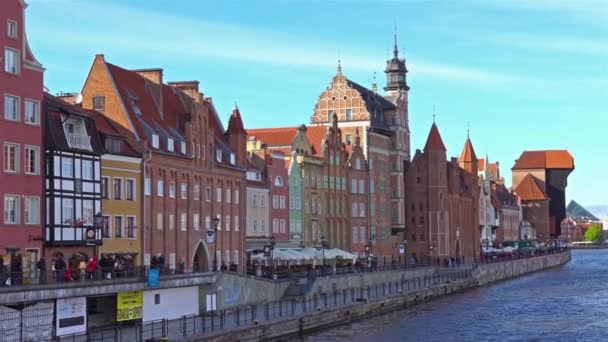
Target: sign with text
129 305
210 236
154 277
401 249
71 315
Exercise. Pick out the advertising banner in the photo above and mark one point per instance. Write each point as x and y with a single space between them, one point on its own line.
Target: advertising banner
71 315
154 277
129 305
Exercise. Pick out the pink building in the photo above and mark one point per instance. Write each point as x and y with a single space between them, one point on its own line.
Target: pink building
21 92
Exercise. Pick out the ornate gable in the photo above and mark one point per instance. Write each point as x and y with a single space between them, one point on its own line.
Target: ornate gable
338 98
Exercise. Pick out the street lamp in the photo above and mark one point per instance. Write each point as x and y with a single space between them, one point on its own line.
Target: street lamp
98 222
216 223
323 246
432 247
272 244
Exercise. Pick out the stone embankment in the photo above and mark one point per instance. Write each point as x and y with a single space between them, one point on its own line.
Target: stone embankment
322 319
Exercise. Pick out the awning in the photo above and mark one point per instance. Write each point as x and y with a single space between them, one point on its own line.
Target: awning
308 253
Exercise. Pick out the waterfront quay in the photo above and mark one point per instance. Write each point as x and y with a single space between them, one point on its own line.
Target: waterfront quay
293 306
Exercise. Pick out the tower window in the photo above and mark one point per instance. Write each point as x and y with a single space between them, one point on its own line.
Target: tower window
349 114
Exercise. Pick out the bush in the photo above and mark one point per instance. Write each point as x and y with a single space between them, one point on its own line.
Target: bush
594 233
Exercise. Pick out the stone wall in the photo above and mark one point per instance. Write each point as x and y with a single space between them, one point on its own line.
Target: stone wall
489 273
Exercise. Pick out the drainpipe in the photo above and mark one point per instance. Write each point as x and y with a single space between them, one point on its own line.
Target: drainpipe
143 207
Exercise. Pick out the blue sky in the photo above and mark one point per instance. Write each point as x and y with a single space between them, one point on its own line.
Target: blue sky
525 74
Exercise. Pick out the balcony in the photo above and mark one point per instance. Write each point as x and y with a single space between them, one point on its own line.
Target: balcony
79 141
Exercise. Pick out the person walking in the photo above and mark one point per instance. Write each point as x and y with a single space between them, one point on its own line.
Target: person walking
59 269
41 266
4 275
92 267
161 262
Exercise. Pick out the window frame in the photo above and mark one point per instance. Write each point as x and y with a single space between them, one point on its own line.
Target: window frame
17 113
11 25
104 185
36 114
122 226
129 227
133 183
35 149
17 209
16 161
115 196
17 61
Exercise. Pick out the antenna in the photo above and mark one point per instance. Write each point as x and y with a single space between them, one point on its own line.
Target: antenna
78 98
434 114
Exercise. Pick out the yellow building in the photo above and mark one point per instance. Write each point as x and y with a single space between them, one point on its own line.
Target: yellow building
121 191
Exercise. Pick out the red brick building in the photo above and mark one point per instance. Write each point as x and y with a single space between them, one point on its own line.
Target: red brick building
441 203
276 173
21 180
358 197
193 168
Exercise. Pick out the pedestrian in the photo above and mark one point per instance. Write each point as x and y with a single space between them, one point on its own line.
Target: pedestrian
110 267
233 267
161 262
154 262
41 266
59 269
16 270
119 267
223 267
92 267
82 268
4 275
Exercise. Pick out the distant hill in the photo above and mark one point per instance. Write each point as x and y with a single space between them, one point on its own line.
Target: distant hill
577 211
598 210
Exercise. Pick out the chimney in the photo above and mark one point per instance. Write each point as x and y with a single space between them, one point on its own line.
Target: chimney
190 88
155 76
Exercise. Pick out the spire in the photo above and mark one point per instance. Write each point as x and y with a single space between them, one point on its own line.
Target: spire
434 141
339 67
468 152
235 123
395 49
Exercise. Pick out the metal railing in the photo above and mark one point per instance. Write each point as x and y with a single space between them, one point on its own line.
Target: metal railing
79 141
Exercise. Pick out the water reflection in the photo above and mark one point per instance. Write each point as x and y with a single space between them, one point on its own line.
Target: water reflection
567 303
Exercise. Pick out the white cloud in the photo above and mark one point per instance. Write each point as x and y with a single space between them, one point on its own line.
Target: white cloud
139 32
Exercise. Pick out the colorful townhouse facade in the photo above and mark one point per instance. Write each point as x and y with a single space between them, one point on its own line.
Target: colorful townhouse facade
190 164
358 198
21 140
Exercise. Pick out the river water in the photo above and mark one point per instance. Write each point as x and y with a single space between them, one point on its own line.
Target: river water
567 303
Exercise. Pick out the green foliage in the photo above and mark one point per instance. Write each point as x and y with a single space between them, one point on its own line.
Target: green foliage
594 233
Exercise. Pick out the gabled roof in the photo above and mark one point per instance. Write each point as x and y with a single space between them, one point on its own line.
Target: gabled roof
468 152
546 159
577 211
375 105
434 141
283 137
530 189
109 128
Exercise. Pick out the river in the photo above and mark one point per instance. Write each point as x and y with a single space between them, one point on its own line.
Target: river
566 303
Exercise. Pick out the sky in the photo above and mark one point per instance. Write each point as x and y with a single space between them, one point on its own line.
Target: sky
521 75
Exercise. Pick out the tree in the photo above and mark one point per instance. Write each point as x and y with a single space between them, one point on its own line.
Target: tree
594 233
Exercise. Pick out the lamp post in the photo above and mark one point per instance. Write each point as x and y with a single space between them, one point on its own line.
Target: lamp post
216 223
433 251
97 224
323 246
272 244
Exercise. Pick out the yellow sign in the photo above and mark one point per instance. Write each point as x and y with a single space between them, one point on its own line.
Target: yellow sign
129 305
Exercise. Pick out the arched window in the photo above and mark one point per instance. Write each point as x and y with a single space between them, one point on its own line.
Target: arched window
278 181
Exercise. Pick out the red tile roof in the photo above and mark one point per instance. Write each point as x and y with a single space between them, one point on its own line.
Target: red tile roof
547 159
493 167
434 141
315 135
530 189
468 152
111 128
283 137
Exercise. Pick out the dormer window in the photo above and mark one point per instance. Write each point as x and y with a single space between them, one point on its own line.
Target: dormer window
155 142
170 144
218 155
232 158
76 133
113 145
184 147
12 29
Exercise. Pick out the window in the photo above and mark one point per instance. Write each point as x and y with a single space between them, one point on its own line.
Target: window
106 231
358 164
159 188
147 186
32 112
227 258
170 144
67 167
32 210
197 192
12 29
207 222
87 211
156 298
104 187
131 232
236 223
113 145
87 169
330 114
227 221
11 61
218 155
171 221
282 226
232 158
159 221
130 189
218 194
155 141
255 225
275 226
183 147
11 108
67 211
117 188
228 195
275 201
349 139
263 201
349 114
208 194
11 158
354 186
355 234
354 210
118 229
362 234
172 189
11 209
282 202
235 258
99 103
262 225
236 196
361 186
184 190
196 221
361 209
183 222
254 200
278 181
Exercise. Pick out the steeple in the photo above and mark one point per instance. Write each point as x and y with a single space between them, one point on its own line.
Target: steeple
235 124
468 159
339 67
237 136
434 141
395 70
374 84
